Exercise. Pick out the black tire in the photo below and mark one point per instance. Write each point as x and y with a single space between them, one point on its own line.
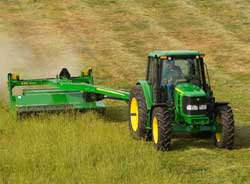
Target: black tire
225 114
163 140
139 130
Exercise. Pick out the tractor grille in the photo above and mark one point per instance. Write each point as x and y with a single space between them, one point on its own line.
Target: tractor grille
194 101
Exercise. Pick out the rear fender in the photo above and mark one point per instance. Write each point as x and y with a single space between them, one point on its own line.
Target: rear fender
147 93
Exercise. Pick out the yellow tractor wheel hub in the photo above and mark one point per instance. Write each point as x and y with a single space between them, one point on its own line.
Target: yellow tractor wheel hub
218 134
134 114
155 130
218 137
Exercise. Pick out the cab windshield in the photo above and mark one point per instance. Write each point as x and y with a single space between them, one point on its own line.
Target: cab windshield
176 71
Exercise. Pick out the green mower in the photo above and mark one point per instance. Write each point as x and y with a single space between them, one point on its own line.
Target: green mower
175 97
63 92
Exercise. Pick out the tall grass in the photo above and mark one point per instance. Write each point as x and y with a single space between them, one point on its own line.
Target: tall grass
113 37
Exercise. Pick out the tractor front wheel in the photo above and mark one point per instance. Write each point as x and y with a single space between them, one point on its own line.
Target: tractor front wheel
224 118
138 116
161 128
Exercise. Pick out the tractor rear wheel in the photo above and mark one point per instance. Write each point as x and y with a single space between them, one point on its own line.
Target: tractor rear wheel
138 116
225 138
161 128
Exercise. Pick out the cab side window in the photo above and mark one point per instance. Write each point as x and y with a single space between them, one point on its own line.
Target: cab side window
151 70
152 75
194 74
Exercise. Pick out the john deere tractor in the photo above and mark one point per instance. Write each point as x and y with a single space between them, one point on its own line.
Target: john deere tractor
177 97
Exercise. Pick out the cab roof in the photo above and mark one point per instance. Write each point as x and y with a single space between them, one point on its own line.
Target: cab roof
175 53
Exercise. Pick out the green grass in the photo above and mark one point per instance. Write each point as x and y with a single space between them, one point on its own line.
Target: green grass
114 37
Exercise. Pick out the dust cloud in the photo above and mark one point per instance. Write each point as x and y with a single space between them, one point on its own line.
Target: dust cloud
16 57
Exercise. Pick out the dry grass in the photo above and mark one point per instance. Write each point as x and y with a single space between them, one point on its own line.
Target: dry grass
113 37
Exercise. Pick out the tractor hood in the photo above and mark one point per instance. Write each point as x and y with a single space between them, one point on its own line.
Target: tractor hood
188 89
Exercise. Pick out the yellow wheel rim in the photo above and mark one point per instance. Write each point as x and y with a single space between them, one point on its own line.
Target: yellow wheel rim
134 114
218 134
155 130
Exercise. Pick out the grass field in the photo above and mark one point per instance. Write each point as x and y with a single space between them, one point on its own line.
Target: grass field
38 37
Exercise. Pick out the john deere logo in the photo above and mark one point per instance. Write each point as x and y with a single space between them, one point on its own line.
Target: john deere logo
197 99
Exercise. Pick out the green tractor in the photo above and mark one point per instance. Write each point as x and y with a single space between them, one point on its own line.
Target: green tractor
177 97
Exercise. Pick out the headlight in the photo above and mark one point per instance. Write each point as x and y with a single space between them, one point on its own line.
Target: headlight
196 107
202 107
192 107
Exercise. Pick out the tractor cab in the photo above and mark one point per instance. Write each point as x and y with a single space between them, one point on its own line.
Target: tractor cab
169 69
